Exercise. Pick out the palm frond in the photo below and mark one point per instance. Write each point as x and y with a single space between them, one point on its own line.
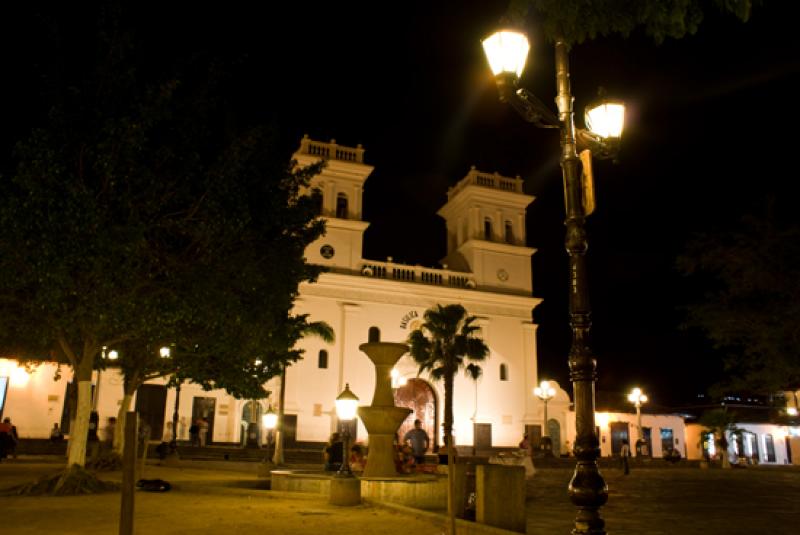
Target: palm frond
473 371
321 330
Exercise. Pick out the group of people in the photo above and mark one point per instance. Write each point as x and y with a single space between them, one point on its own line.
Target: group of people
410 451
333 455
8 439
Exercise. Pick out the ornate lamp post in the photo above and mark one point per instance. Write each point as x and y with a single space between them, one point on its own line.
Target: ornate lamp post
270 421
637 397
507 51
545 392
346 406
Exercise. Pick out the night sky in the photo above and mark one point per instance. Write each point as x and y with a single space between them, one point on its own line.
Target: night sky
709 135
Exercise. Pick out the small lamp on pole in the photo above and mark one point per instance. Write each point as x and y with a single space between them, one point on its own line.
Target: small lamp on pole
346 406
637 397
269 420
545 392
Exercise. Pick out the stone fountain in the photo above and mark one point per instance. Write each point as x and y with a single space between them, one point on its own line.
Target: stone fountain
382 418
380 480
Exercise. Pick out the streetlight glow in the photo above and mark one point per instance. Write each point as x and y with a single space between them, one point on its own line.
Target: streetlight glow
605 118
397 381
346 404
270 419
544 391
164 352
113 354
636 396
506 51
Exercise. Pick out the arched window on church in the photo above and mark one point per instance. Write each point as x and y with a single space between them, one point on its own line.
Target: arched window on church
374 335
503 372
322 359
341 206
487 229
509 232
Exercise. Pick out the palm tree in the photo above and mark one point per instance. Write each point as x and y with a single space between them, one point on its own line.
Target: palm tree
324 332
444 344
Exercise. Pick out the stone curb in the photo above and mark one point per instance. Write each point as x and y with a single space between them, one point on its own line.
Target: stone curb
463 527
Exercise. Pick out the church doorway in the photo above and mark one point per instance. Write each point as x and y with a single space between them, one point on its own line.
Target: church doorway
419 396
554 432
619 432
251 424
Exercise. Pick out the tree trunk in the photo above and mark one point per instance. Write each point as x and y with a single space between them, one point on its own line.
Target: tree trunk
448 433
79 431
726 462
277 457
119 429
72 400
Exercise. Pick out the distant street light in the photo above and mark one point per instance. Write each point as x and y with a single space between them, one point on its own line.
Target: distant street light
346 406
637 397
105 355
507 51
545 392
166 353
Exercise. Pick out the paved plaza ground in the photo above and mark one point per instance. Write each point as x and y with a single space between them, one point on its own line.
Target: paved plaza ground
211 496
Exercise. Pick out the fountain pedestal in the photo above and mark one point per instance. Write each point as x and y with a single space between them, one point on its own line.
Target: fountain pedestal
382 418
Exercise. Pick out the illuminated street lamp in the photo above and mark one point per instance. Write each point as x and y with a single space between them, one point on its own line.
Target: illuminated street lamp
397 380
545 392
637 397
346 406
507 52
269 420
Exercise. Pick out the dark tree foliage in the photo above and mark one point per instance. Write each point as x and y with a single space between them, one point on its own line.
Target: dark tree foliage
750 302
137 218
581 20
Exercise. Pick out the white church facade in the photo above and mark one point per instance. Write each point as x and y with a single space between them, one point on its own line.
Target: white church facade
487 269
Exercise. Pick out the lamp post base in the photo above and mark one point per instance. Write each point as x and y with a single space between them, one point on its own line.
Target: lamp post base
345 490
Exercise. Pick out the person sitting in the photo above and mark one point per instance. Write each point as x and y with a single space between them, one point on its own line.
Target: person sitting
357 459
407 462
672 455
333 453
55 434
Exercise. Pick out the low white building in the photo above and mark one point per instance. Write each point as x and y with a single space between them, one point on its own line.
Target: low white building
661 432
756 443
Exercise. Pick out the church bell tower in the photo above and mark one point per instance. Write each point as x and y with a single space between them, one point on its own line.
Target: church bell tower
342 185
485 217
